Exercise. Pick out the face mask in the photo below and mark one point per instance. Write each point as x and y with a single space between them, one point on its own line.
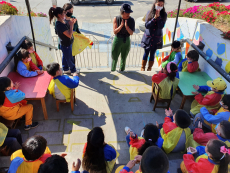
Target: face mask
158 7
68 14
29 59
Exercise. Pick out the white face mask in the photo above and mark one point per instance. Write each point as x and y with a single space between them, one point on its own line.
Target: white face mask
158 7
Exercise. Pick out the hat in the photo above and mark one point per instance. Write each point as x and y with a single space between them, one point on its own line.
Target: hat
126 8
218 84
182 119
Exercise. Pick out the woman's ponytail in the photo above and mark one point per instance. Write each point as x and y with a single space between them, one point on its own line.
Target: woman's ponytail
151 135
51 13
4 83
171 68
54 12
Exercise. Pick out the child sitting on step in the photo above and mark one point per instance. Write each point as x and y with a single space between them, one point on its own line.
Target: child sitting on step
153 160
175 130
34 152
138 145
24 66
190 64
175 55
215 92
167 81
12 103
61 85
35 59
214 158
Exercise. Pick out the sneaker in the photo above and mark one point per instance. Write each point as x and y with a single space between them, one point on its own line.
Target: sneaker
67 72
120 71
32 126
127 130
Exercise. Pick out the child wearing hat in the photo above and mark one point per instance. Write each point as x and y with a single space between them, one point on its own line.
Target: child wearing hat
190 63
214 90
175 130
175 55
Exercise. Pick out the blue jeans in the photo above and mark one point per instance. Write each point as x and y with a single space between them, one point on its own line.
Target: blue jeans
152 54
200 117
13 140
67 59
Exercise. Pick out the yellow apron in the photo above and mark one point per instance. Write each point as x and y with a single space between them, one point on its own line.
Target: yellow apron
165 88
171 138
3 133
34 60
133 151
190 142
185 67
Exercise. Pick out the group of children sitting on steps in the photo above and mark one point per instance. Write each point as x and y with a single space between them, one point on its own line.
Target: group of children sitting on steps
207 137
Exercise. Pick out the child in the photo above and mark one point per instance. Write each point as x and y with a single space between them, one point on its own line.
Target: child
214 90
175 55
175 130
24 65
34 154
11 138
61 85
97 155
35 59
138 145
223 133
167 81
13 105
190 64
215 160
210 121
154 160
58 164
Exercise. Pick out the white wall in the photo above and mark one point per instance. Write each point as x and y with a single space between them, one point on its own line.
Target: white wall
13 28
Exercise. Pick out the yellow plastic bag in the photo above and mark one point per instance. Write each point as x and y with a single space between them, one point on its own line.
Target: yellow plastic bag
80 43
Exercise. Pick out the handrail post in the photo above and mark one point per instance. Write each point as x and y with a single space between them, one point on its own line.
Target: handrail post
178 11
31 24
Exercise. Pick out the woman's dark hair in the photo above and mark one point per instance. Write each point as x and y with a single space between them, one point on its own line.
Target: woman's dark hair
54 164
54 12
173 68
22 54
151 135
4 83
26 44
34 147
94 159
213 148
67 6
153 11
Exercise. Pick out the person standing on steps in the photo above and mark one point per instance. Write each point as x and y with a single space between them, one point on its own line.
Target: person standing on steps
65 33
123 27
152 38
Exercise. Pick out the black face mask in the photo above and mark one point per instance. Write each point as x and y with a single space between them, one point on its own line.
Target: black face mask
68 14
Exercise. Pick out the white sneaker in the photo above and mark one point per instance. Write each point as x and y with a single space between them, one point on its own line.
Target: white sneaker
127 130
67 72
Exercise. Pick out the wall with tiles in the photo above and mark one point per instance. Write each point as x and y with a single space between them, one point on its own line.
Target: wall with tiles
13 28
216 48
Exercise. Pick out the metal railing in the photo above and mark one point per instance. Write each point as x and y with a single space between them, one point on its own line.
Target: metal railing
16 48
88 58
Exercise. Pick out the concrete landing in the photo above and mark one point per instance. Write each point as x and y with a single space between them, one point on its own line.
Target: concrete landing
110 100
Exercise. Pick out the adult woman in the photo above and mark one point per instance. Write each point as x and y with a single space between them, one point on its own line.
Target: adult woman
123 27
97 155
65 33
152 38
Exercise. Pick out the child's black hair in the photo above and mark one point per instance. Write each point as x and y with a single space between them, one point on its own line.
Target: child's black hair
154 160
213 147
26 44
94 159
226 100
5 82
52 68
22 54
67 6
34 147
225 129
175 44
151 135
54 164
173 68
182 119
54 12
193 54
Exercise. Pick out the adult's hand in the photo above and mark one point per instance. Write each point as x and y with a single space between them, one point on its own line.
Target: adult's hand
123 23
157 14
